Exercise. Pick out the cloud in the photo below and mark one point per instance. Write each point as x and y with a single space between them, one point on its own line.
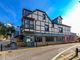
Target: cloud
72 18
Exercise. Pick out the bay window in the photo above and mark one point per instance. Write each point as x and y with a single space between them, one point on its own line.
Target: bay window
29 24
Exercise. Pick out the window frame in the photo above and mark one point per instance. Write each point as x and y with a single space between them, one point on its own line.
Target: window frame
28 23
38 39
60 29
44 16
47 29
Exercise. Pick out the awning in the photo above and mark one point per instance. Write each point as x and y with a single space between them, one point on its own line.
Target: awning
46 34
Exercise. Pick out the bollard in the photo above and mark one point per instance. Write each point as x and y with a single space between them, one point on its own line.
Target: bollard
1 47
76 52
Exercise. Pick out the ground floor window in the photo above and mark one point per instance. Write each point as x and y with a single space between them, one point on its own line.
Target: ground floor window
38 39
49 39
59 39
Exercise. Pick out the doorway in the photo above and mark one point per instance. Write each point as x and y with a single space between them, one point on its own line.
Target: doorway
29 42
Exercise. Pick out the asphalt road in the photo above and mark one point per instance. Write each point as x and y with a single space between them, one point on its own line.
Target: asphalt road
39 53
77 57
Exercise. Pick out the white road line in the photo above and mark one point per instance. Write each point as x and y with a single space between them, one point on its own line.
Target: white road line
54 58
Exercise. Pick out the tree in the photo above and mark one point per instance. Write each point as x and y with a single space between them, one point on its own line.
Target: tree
10 31
6 31
2 29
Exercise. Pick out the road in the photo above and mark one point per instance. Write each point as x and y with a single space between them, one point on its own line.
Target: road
77 57
38 53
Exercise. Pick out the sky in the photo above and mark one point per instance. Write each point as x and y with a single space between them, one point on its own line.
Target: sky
11 11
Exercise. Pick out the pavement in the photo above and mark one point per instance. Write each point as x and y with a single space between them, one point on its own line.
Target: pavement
4 43
36 53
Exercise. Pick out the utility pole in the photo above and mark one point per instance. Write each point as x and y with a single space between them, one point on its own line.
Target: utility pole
76 52
1 46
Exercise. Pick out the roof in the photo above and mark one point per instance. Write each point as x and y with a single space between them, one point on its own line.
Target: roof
46 34
37 10
57 18
57 23
27 10
47 16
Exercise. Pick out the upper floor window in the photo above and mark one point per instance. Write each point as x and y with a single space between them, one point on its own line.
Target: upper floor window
44 16
29 24
46 27
60 30
27 21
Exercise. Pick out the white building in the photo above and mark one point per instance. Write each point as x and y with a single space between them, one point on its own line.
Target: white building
39 29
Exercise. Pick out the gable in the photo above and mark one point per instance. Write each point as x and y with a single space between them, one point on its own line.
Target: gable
26 12
58 20
38 14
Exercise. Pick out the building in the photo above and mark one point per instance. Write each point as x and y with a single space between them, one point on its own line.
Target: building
39 29
65 29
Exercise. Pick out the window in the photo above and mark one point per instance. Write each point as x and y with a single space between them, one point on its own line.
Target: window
38 39
46 27
60 30
44 16
59 39
50 39
27 21
29 24
60 21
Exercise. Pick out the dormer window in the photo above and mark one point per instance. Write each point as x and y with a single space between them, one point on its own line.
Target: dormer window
44 16
60 30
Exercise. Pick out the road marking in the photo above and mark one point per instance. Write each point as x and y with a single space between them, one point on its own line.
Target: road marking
54 58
